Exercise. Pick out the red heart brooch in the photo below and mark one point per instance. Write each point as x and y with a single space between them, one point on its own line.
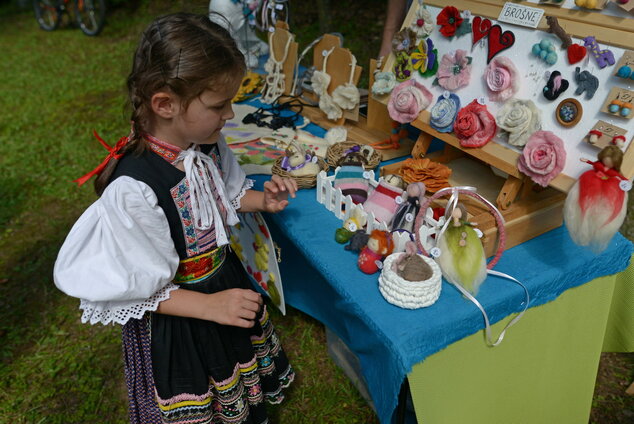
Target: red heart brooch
576 53
480 28
499 41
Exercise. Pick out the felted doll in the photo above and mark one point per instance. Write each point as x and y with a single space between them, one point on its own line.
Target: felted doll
597 203
462 259
379 246
299 161
352 182
411 266
406 212
385 198
355 222
358 241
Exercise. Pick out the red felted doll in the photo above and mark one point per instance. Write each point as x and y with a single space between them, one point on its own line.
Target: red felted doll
379 246
596 205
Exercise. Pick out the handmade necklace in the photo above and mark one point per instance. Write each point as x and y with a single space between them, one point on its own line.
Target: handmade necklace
275 80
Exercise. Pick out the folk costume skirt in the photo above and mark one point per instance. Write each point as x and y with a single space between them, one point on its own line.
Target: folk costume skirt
185 370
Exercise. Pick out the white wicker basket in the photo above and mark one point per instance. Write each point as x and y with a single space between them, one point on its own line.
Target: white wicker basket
409 294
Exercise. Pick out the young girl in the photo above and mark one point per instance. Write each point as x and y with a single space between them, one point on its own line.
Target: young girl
151 253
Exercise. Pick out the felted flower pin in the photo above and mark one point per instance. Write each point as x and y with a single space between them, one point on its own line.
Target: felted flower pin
423 23
519 119
543 158
474 125
444 112
384 83
425 58
502 80
454 71
404 41
451 23
407 100
402 66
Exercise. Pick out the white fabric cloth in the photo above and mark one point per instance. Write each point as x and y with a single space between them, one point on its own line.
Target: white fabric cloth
119 257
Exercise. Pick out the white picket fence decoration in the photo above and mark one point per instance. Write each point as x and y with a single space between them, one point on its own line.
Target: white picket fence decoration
342 206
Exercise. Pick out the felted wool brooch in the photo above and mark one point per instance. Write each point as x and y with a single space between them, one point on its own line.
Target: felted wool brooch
402 66
384 83
407 100
423 23
519 119
454 71
474 126
543 158
502 79
404 41
433 174
425 58
444 112
451 23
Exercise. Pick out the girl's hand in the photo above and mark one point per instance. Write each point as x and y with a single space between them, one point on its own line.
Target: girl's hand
237 307
276 192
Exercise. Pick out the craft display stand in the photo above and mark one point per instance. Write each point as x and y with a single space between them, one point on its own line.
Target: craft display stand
280 38
528 209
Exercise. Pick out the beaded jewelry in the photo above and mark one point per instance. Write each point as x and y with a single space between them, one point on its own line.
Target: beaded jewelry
275 81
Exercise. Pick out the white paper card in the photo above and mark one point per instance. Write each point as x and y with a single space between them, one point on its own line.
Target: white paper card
517 14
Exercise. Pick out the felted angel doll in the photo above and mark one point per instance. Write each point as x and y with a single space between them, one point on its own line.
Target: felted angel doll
596 204
406 212
379 246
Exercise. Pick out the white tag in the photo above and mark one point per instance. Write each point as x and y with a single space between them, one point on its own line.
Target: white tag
482 100
478 232
314 159
446 94
352 227
625 185
466 14
279 6
435 252
379 264
398 200
367 175
409 217
271 29
517 14
547 75
324 52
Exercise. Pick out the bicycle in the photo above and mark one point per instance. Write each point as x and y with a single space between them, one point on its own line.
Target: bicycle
90 15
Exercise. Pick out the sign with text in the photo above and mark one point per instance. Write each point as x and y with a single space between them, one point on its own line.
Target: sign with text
518 14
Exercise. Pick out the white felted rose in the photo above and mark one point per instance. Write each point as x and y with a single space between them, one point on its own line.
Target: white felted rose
336 135
328 106
520 119
320 81
423 23
384 83
346 96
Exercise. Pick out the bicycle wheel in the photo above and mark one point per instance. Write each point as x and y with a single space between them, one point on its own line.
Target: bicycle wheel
90 15
47 14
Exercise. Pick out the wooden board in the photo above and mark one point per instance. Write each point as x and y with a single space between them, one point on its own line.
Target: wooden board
279 39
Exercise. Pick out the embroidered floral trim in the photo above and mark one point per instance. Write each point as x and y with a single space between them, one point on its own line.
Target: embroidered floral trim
248 183
122 311
163 149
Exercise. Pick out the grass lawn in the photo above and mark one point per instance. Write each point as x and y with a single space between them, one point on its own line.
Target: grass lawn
56 88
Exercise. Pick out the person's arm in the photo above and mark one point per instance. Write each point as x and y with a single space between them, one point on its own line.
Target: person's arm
237 307
273 199
394 19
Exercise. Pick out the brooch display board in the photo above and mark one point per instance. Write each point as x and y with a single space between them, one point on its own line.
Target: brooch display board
528 210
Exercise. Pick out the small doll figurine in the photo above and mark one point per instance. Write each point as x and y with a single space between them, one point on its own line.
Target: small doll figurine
406 212
411 266
385 198
299 162
355 222
462 259
379 245
596 204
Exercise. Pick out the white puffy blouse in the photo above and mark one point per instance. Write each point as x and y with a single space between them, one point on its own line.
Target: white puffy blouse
119 257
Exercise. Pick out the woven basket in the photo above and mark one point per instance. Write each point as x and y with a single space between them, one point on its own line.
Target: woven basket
305 181
335 152
409 294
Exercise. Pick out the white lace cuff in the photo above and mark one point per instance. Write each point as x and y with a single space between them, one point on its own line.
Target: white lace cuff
120 312
248 183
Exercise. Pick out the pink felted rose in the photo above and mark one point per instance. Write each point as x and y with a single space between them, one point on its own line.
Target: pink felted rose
407 100
543 157
474 125
454 71
501 78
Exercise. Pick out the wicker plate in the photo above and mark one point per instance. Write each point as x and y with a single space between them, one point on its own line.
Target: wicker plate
335 152
305 181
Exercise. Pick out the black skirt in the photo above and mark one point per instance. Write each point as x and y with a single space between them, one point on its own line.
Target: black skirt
205 372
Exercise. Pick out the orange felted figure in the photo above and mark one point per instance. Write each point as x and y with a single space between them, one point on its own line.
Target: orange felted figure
379 246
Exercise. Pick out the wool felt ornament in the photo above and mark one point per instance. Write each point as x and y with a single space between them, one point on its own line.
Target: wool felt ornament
625 72
474 126
480 28
502 79
586 82
434 175
454 71
299 161
545 50
402 66
407 100
596 205
355 222
555 28
404 41
555 86
576 53
543 157
406 212
444 112
620 108
452 23
384 83
379 246
499 41
423 23
383 201
352 181
358 241
518 119
603 57
425 58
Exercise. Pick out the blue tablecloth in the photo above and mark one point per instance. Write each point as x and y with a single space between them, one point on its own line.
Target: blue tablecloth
321 279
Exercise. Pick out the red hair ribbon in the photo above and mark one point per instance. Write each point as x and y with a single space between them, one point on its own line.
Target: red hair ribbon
114 154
